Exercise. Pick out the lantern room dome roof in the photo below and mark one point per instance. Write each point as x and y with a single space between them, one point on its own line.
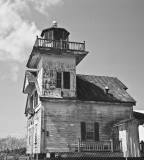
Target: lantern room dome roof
55 29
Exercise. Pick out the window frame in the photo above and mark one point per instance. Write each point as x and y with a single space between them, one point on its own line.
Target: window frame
59 80
35 99
66 80
85 130
88 131
63 80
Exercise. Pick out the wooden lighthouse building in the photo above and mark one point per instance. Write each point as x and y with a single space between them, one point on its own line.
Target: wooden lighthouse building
69 112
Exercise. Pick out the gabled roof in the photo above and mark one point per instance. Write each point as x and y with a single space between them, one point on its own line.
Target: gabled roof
92 88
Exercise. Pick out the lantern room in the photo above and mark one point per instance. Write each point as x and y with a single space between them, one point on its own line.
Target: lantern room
55 33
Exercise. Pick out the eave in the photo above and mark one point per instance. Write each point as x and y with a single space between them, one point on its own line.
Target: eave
38 51
75 100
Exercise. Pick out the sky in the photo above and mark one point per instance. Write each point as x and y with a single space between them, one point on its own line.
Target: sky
112 29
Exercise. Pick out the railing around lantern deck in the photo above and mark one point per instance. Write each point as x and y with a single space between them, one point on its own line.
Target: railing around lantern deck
111 146
40 42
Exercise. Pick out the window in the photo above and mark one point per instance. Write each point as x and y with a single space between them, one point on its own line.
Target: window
66 80
35 99
89 131
59 78
31 102
65 77
35 133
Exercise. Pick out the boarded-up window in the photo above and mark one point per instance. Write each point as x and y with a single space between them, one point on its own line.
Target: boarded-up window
89 131
66 80
59 78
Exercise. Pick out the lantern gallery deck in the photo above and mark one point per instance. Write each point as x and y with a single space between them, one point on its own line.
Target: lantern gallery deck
59 44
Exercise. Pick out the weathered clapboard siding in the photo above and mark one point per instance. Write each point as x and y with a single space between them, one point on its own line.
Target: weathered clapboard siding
56 122
38 134
57 63
40 75
128 133
62 122
34 133
30 135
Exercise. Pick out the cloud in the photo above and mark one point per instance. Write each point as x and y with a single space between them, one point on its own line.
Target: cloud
43 5
12 74
17 35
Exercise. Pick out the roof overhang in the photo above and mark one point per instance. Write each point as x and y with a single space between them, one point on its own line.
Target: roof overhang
38 51
125 121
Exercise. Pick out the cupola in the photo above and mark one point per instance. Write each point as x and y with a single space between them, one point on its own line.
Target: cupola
55 33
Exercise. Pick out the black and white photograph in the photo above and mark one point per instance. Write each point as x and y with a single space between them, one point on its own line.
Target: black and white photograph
72 79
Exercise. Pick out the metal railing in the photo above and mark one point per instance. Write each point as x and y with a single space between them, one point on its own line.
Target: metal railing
46 43
99 146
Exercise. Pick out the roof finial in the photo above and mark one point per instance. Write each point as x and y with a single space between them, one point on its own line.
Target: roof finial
54 24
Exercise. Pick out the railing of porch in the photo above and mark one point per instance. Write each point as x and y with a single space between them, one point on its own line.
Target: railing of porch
99 146
46 43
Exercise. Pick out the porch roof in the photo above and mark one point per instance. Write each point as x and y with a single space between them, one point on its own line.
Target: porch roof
139 116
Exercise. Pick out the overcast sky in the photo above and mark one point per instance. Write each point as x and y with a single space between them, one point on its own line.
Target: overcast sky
114 35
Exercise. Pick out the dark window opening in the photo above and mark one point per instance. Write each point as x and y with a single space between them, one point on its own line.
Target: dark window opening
59 78
89 131
66 80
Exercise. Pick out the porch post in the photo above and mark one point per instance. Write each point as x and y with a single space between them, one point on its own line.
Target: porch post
79 149
111 144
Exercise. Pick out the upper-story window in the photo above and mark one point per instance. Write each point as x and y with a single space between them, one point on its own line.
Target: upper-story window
35 99
59 80
31 102
65 77
66 80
